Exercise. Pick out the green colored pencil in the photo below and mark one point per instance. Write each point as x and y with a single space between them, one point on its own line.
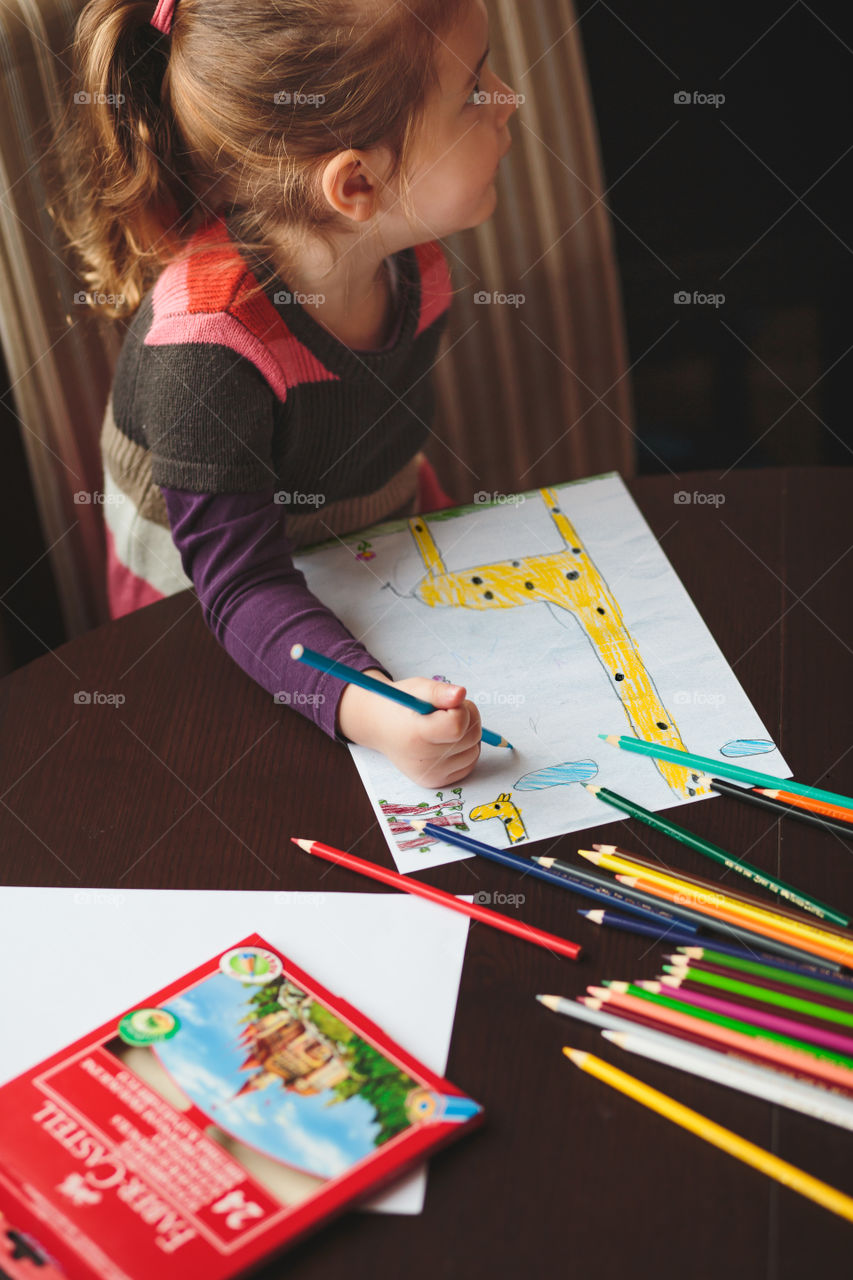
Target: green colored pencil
352 676
787 891
749 991
722 767
733 1024
837 990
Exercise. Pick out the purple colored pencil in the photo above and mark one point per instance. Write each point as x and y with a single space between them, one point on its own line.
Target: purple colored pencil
785 1026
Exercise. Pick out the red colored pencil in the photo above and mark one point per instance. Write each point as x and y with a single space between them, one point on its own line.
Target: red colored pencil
473 909
769 1049
753 1051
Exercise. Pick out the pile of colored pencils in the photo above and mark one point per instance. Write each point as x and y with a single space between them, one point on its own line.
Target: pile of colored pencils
748 921
780 1035
785 797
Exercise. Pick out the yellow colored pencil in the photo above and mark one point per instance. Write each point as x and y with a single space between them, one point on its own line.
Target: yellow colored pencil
718 910
801 928
764 1161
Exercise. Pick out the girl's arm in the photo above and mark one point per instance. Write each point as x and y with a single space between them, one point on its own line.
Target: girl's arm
256 602
235 549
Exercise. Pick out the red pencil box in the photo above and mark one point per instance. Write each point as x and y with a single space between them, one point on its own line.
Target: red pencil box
194 1135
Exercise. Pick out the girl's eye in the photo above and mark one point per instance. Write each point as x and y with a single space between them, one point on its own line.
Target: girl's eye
476 98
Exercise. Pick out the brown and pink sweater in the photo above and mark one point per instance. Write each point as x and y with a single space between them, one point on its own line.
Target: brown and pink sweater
239 429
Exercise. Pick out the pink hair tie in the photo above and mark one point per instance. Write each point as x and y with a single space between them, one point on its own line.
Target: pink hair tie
163 15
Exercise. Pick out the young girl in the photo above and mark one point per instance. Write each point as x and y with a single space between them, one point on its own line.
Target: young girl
262 187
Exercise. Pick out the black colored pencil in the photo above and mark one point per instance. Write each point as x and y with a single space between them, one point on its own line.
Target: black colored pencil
778 806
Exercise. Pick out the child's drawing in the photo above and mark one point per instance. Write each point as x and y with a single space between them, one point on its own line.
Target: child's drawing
509 815
558 775
569 580
615 643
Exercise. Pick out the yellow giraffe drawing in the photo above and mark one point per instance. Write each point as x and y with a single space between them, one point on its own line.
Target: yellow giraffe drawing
509 815
567 578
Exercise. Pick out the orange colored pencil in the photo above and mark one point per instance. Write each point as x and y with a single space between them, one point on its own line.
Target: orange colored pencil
718 896
755 1045
812 945
473 909
714 886
806 802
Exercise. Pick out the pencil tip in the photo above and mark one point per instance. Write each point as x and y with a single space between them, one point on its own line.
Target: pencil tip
603 737
303 844
296 651
577 1056
418 823
544 862
590 786
550 1002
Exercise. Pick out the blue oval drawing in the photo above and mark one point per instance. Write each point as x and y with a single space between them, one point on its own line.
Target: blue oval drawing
557 775
747 747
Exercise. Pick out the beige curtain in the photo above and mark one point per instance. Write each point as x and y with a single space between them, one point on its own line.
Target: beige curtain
59 359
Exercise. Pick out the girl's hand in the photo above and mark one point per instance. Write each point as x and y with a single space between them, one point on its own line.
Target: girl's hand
433 750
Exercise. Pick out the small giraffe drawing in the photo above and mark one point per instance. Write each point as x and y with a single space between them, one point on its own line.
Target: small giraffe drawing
509 815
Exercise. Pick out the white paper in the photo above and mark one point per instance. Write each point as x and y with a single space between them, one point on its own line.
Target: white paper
396 958
533 669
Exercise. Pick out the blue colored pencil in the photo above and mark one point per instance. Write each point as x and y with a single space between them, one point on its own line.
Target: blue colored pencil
725 948
349 674
643 927
586 884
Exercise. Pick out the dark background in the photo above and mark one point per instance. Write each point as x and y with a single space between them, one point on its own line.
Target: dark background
748 199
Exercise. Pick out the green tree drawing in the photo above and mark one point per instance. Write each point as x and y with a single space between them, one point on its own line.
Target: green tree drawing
371 1076
380 1083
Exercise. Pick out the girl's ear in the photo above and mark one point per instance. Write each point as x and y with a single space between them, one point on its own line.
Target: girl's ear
352 185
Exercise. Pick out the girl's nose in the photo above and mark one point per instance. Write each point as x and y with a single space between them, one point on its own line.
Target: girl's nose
506 100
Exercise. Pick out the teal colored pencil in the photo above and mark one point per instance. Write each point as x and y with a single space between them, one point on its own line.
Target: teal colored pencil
340 669
722 767
786 891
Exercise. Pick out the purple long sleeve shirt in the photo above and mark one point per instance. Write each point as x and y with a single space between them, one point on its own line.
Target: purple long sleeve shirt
235 548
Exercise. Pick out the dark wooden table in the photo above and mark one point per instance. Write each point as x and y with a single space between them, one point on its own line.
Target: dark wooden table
198 780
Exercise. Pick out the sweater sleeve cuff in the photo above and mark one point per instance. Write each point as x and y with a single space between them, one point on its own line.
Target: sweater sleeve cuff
366 663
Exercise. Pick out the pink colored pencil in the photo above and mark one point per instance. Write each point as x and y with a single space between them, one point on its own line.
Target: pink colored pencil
803 1063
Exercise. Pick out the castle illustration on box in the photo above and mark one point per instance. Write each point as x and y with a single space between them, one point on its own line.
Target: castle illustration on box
286 1047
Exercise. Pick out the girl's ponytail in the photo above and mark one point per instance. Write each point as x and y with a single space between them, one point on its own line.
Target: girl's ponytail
163 130
122 200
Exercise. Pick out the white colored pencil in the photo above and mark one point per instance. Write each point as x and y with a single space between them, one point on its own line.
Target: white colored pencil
721 1068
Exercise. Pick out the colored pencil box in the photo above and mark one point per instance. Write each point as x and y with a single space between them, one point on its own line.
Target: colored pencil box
198 1132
